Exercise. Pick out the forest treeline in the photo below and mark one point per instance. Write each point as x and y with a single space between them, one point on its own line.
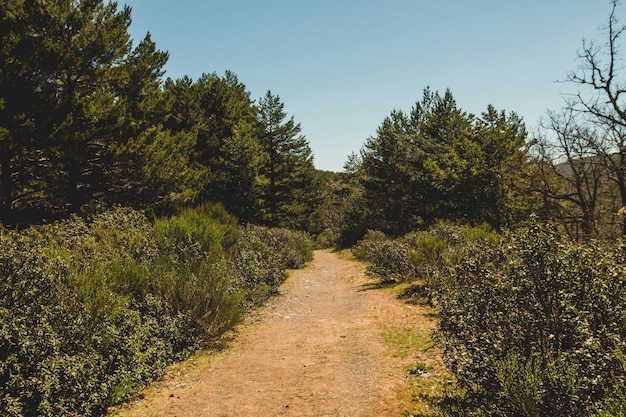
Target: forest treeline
87 121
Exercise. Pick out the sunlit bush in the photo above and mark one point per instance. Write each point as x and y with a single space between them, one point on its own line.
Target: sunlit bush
424 255
536 327
191 271
261 257
294 248
69 343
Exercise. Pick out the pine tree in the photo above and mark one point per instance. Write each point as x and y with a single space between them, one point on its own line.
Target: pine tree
500 194
79 108
21 76
290 196
220 111
86 43
61 111
439 162
150 165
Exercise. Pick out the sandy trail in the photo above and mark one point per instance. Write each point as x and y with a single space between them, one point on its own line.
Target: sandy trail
314 350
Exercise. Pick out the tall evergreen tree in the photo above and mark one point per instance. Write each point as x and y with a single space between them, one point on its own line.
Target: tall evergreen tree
79 108
441 130
500 177
229 144
220 111
290 194
22 72
61 113
87 42
150 165
140 85
438 162
396 185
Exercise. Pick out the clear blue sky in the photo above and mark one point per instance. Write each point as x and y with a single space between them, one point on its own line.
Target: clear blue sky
341 66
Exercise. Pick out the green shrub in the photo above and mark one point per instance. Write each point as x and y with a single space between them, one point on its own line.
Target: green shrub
192 272
33 332
257 269
536 326
195 234
427 254
201 292
390 261
481 234
327 239
423 255
294 248
261 257
93 309
363 249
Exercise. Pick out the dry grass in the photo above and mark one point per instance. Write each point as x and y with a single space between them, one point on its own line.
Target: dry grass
411 338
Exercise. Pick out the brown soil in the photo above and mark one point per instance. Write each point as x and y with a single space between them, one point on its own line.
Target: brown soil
324 347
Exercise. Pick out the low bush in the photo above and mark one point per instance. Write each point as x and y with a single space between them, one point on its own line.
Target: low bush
257 269
424 255
294 248
261 258
536 327
327 239
91 310
388 259
363 249
192 270
69 344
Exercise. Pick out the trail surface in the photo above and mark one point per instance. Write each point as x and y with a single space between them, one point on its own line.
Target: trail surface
317 349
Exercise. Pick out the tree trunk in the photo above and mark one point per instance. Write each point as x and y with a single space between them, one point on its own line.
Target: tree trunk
6 187
620 176
75 197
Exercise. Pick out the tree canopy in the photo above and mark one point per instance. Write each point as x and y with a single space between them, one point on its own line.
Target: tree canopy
289 170
86 120
438 162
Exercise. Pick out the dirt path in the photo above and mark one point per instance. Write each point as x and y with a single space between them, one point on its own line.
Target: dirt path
318 349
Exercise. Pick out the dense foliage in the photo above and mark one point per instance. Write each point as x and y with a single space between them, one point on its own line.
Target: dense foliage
537 326
262 257
291 193
87 121
92 310
530 324
93 307
438 162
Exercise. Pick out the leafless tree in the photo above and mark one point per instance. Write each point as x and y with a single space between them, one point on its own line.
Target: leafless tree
571 175
601 97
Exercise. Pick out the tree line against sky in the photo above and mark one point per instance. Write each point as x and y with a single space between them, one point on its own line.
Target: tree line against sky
87 121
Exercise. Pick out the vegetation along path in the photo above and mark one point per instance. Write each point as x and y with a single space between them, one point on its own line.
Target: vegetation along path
331 344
